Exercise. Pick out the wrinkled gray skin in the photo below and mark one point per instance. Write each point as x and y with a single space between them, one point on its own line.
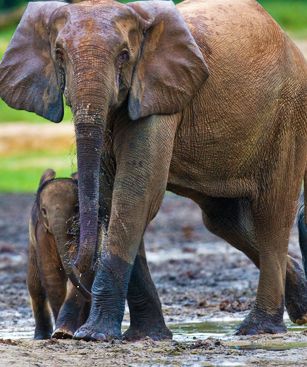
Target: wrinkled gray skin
196 99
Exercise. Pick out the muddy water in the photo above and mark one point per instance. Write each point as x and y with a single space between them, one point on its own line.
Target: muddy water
187 332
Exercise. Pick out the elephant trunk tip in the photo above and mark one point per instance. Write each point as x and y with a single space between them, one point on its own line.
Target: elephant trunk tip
75 277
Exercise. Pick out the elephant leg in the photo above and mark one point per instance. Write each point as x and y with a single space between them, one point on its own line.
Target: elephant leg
302 230
146 318
41 311
72 314
296 292
231 220
56 291
272 225
142 150
267 313
238 232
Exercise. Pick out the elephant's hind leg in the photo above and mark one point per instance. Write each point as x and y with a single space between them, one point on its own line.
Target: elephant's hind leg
224 223
296 293
230 220
267 313
146 318
302 230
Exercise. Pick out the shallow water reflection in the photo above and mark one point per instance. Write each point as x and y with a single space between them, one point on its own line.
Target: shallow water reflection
188 332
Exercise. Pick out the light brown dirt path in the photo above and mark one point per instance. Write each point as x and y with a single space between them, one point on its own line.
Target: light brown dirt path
23 137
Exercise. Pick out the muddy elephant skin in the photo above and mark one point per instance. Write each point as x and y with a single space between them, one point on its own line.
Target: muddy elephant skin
52 240
207 99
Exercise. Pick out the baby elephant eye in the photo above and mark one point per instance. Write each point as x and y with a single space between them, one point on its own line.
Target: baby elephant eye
44 212
123 56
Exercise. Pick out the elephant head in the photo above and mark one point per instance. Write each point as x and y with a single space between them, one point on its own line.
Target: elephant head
102 56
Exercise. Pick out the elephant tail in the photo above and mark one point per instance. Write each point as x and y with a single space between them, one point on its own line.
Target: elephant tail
302 227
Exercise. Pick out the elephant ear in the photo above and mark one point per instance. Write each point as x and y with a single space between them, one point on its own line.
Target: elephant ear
48 175
171 68
28 77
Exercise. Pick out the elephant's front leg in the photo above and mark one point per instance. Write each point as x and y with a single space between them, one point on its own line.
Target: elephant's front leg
146 318
143 151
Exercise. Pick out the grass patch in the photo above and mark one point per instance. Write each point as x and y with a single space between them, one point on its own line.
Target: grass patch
21 173
290 14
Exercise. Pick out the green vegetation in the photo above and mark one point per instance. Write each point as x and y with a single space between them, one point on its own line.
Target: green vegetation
7 4
290 14
21 173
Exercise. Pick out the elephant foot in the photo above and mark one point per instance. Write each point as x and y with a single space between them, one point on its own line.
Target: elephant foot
155 333
62 333
42 335
95 332
261 322
296 294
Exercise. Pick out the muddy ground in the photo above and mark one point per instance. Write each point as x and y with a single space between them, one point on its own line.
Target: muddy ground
205 286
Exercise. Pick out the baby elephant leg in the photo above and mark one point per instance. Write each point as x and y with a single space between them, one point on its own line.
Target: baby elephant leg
72 315
41 311
146 318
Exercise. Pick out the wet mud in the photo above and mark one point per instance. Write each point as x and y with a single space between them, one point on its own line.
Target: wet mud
206 287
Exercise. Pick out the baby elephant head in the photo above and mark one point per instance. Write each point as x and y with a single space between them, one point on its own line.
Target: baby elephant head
58 203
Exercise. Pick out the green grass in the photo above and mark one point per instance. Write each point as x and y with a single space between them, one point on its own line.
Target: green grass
290 14
21 173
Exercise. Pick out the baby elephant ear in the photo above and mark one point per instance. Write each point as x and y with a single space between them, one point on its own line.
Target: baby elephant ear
28 79
171 68
48 175
75 176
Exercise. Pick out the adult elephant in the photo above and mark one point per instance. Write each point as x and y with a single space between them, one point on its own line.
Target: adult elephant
148 117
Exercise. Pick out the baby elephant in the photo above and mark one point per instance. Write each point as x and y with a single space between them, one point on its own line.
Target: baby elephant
52 242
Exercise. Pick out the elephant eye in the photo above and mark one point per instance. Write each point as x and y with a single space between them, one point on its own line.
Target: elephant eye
44 212
124 56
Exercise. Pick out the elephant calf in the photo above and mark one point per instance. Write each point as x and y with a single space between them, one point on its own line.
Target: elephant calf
50 233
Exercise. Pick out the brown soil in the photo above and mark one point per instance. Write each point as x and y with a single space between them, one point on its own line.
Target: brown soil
198 277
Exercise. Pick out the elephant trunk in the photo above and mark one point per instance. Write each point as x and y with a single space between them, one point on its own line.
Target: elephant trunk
91 94
62 242
89 146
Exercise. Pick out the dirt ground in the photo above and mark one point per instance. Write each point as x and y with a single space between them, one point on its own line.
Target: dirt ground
206 288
